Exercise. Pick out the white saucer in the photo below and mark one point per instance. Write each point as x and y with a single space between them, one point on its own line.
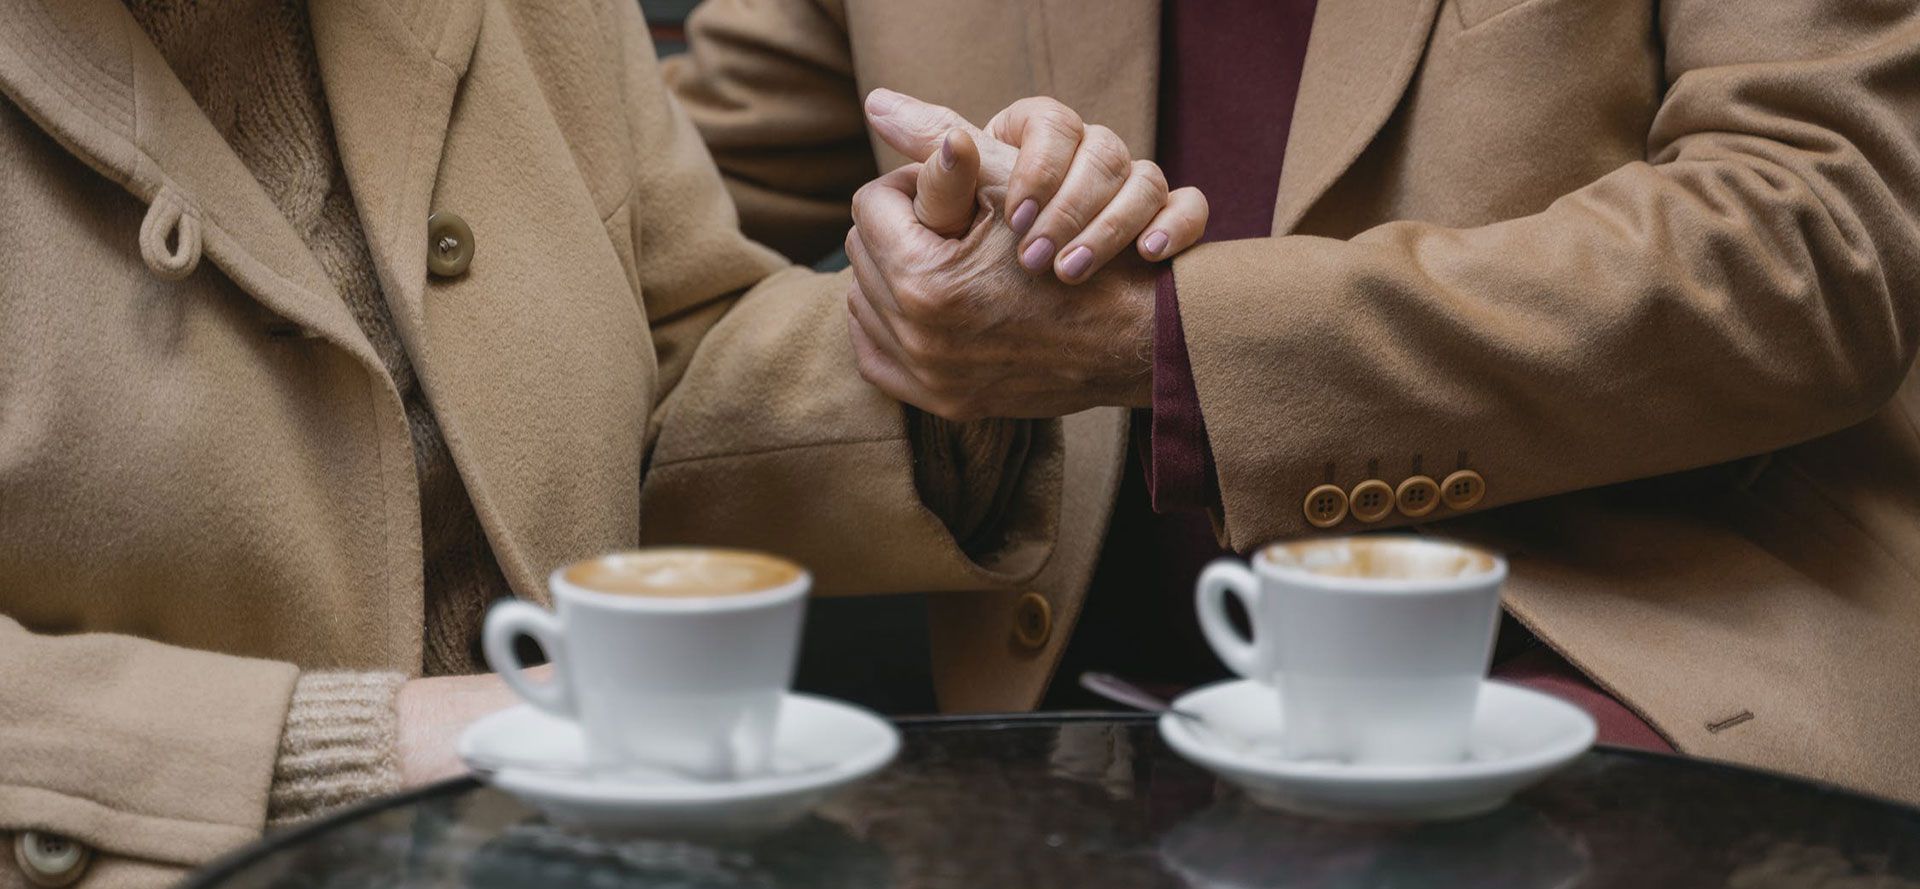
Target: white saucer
1518 737
820 747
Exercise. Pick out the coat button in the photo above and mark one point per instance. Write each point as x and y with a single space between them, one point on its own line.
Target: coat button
1032 621
1372 500
1463 489
449 245
1325 506
50 859
1417 496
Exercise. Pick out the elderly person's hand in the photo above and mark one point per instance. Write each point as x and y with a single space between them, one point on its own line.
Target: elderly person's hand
949 326
1071 191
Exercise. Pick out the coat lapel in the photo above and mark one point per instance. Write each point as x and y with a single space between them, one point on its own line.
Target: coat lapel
390 69
87 74
1101 60
1360 59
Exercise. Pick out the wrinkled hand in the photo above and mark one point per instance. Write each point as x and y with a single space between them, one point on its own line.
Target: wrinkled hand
1078 198
949 326
434 712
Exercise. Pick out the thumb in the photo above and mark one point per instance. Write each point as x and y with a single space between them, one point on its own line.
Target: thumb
944 194
910 126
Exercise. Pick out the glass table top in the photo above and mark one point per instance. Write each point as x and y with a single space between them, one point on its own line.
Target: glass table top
1100 801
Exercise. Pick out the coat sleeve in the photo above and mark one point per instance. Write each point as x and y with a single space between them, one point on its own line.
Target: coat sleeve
770 86
1754 283
765 435
157 758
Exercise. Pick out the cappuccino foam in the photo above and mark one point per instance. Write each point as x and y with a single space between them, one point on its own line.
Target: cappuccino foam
1381 558
683 572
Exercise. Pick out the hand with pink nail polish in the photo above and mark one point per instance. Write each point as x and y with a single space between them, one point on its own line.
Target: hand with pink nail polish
1071 191
941 320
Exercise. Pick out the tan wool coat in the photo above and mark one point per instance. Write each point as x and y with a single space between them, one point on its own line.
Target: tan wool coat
206 481
1650 270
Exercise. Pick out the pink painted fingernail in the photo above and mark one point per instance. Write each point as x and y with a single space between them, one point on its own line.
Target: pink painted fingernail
1077 262
1023 217
1038 254
1156 242
947 159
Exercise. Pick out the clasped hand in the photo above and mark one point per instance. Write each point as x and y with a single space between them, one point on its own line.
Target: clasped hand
966 309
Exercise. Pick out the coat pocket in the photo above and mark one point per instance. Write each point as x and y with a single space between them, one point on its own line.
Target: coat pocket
1474 13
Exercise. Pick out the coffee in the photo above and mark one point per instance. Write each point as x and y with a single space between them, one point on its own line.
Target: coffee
1380 558
683 573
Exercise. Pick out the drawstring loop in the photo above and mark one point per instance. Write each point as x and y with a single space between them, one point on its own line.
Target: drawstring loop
171 219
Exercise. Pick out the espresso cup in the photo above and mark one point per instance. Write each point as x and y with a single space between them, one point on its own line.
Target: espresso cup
1376 645
667 658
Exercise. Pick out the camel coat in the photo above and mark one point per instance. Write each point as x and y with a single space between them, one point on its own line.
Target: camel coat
1651 271
206 480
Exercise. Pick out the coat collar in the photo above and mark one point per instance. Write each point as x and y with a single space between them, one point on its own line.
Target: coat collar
1360 59
85 72
391 69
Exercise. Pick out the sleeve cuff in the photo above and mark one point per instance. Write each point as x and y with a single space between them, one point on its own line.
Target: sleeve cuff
339 747
1179 461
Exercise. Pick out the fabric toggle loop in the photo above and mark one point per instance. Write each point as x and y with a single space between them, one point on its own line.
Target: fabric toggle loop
170 235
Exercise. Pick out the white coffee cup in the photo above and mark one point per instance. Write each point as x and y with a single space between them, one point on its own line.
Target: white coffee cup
1377 645
667 658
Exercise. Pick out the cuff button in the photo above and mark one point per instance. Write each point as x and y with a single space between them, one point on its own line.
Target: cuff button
1325 506
1417 496
1463 489
49 859
1372 500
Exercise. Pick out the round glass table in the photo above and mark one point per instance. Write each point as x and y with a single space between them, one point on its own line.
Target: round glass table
1051 801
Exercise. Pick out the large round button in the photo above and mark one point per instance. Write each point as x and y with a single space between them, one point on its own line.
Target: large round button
1032 621
48 859
1417 496
449 245
1463 489
1372 500
1325 506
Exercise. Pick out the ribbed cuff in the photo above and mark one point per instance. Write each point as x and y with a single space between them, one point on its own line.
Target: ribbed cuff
340 745
968 473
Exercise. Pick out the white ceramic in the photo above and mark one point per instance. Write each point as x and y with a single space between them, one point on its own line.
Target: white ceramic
689 683
820 747
1516 737
1371 669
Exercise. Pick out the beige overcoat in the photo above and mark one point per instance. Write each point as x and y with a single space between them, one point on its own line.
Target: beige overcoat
1650 269
205 472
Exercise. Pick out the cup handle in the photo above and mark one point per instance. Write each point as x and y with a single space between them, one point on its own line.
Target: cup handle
506 621
1222 577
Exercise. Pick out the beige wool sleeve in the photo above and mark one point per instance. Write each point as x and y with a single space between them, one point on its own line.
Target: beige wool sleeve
765 435
1749 286
760 73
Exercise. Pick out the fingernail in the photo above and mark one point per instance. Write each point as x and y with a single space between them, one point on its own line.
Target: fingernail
1038 254
883 101
1023 217
1077 261
947 159
1156 242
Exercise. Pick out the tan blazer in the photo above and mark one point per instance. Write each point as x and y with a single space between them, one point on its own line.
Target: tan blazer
205 473
1651 270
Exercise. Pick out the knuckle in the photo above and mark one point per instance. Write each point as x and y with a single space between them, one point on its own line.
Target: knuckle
1150 175
1107 153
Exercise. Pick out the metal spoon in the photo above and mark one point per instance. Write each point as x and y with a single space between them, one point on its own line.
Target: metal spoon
1120 691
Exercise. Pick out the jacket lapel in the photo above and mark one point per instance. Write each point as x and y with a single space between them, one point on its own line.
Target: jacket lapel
1102 60
1360 59
390 69
85 72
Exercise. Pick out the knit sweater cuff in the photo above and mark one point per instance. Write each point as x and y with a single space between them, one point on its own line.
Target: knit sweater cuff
339 747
